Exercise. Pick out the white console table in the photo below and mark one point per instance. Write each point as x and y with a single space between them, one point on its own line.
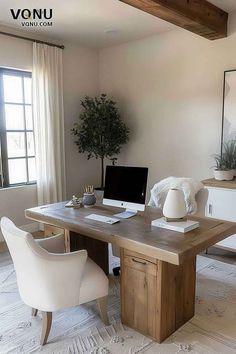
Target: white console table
221 204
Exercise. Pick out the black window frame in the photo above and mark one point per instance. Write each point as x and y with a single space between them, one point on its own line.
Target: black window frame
4 171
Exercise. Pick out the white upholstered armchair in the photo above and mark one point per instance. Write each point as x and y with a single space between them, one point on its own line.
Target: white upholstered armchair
50 280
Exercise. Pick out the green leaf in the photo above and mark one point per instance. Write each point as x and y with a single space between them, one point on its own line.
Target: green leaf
227 159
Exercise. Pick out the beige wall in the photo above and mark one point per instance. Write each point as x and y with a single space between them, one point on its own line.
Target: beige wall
80 78
169 88
13 202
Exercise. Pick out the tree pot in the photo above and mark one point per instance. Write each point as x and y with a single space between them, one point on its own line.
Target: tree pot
224 175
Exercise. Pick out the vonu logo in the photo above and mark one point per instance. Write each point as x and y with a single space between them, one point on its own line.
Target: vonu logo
35 14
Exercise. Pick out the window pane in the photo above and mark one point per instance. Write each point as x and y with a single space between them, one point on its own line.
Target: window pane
30 144
14 116
27 88
32 169
12 86
17 171
16 144
28 118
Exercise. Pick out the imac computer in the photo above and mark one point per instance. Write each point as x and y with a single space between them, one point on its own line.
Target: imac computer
126 187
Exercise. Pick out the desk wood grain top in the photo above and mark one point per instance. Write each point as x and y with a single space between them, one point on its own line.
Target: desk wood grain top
136 234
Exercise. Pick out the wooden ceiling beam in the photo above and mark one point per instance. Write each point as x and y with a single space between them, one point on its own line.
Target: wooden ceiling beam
198 16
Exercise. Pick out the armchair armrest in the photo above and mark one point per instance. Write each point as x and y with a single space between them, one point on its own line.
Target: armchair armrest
53 244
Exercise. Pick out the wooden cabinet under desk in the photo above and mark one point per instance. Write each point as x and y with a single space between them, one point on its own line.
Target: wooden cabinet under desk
144 306
139 291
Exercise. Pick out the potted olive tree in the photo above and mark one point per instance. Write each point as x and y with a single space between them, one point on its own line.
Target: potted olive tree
225 163
100 131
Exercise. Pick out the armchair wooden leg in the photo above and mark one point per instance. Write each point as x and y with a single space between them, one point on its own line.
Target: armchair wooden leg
47 322
34 312
102 306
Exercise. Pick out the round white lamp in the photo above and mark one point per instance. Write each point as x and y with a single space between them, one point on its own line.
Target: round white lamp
174 207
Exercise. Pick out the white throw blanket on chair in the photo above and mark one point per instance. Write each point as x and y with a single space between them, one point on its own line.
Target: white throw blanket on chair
189 186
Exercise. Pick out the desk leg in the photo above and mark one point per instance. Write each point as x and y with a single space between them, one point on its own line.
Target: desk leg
67 241
156 297
175 297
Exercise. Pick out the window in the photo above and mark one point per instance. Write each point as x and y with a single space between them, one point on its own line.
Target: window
16 129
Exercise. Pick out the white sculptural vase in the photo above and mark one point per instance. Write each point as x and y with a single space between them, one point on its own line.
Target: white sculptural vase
174 207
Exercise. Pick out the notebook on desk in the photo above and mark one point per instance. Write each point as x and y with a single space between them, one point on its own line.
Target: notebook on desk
179 226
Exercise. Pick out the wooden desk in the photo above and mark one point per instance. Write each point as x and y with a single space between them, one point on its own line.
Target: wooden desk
158 267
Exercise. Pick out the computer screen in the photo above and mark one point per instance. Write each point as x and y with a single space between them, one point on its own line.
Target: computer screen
126 184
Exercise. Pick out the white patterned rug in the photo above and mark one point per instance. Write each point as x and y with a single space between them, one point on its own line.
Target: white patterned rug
80 330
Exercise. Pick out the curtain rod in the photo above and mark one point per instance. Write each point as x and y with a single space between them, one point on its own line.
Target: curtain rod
32 40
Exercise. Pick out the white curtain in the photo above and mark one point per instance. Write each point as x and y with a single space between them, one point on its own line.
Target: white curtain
48 115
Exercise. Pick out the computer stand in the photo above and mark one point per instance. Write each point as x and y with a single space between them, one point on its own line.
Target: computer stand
128 213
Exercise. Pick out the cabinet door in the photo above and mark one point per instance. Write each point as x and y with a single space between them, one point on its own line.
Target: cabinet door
139 294
221 204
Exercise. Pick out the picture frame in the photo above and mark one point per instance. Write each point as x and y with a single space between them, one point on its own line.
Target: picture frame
229 107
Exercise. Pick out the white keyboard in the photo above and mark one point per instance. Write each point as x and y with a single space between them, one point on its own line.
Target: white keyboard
101 218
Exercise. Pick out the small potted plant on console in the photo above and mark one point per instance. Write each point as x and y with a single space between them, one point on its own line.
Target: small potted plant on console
225 163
